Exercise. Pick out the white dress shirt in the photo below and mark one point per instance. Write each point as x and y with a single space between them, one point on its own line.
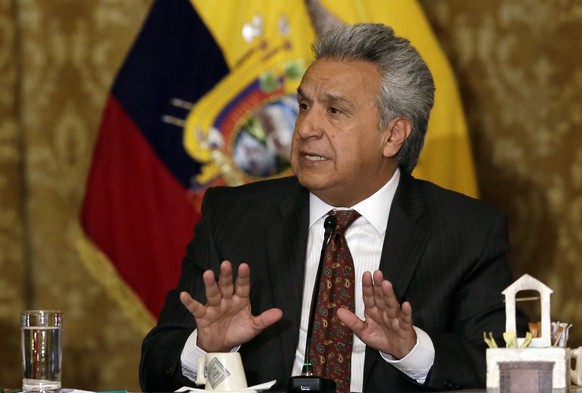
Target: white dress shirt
365 238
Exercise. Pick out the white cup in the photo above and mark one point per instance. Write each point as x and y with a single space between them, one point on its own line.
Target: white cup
221 372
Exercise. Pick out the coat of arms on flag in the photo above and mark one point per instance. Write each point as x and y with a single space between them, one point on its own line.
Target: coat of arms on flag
241 131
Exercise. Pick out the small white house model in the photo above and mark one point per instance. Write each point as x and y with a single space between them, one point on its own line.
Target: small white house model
539 368
524 283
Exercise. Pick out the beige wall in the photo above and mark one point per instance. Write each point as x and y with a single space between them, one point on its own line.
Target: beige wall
519 67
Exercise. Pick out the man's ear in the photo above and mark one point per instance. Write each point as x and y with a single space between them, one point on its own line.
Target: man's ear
398 130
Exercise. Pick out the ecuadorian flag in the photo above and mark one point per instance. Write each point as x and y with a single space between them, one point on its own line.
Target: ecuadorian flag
206 97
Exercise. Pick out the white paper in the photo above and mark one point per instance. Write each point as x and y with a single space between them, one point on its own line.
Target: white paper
261 386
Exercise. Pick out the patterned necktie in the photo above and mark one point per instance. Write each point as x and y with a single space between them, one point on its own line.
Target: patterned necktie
330 349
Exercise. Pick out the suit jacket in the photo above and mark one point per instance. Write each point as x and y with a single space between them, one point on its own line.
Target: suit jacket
443 252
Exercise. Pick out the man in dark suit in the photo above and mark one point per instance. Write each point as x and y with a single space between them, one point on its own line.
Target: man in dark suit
431 261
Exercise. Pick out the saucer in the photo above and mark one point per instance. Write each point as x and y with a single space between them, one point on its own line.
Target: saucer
250 389
221 391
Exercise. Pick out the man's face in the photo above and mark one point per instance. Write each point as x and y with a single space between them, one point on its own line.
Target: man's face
338 152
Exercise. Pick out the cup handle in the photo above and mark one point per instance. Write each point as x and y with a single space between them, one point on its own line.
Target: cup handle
576 372
200 377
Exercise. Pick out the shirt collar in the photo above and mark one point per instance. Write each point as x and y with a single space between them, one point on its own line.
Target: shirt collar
375 209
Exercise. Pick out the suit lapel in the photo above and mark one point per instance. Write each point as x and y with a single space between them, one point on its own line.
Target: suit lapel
406 236
404 244
286 244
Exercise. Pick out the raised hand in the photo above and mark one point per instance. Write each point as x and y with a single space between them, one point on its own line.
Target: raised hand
387 325
226 321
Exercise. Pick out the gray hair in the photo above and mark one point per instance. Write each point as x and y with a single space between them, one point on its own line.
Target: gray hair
406 87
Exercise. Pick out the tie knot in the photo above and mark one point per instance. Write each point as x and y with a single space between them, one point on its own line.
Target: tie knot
344 219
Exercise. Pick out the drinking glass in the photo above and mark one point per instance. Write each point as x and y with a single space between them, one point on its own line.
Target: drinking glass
41 350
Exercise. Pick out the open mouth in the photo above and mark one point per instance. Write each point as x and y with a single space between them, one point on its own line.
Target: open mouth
314 158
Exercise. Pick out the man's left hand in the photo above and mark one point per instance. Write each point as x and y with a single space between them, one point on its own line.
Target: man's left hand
387 325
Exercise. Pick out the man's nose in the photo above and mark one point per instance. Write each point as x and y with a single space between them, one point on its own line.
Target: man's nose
309 124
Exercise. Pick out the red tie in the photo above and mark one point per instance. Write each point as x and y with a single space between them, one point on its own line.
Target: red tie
331 345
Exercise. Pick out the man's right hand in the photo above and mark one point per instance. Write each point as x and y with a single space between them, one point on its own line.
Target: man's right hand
226 321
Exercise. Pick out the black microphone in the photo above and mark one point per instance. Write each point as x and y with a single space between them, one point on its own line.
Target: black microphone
307 381
329 225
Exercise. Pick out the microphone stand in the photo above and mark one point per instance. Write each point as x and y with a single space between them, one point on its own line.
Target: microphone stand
307 381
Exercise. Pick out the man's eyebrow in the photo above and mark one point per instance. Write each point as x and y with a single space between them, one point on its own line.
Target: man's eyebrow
335 99
326 97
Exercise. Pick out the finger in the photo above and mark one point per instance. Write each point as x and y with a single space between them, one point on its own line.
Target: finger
406 329
387 293
378 293
390 302
225 284
406 316
213 296
195 308
243 281
378 277
267 318
368 290
351 320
